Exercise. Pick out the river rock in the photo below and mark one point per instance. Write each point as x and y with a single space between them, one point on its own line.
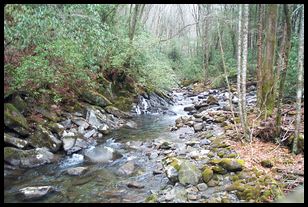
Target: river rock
76 170
81 122
198 127
16 142
56 128
232 165
189 108
201 105
95 98
165 145
178 194
101 154
131 124
202 186
135 185
44 138
27 158
89 133
13 119
235 100
37 192
104 128
207 174
117 112
172 173
211 100
205 142
91 118
189 173
127 169
73 144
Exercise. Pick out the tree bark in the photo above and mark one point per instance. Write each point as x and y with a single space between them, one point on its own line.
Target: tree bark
259 63
267 87
300 83
285 58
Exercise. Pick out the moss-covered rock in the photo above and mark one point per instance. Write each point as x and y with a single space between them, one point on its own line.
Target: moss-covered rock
211 100
44 138
267 163
16 142
189 173
232 164
56 128
219 170
95 98
207 174
51 116
151 199
13 119
27 158
19 103
117 112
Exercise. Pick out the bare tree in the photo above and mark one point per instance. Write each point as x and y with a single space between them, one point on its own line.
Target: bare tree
300 83
259 61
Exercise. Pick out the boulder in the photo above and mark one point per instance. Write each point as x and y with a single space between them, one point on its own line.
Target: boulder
131 125
27 158
172 174
211 100
44 138
51 116
95 98
15 142
201 105
207 174
104 128
202 187
232 165
80 122
76 170
73 144
189 108
127 169
189 173
56 128
37 192
198 126
117 112
135 185
13 119
89 133
177 194
19 104
101 154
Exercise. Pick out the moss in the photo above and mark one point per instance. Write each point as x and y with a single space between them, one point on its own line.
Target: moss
151 199
219 170
207 175
214 161
176 165
267 163
123 103
232 155
210 154
232 164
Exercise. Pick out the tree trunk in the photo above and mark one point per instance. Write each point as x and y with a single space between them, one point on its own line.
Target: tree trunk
267 87
285 57
259 63
239 66
244 70
300 83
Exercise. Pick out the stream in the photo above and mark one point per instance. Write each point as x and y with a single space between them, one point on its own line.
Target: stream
102 182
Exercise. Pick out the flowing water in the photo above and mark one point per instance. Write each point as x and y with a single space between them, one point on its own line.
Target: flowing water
101 182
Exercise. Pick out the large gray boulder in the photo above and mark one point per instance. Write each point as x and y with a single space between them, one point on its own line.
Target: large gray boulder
101 154
27 158
189 173
73 144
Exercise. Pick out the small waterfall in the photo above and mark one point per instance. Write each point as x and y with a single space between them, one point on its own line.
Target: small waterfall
138 112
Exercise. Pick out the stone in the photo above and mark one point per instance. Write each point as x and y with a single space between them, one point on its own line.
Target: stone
76 170
95 98
219 170
37 192
89 133
201 105
14 120
56 128
27 158
235 100
172 173
202 186
189 173
212 183
198 127
15 142
101 154
80 122
198 120
192 197
73 144
205 142
131 124
135 185
127 169
177 194
189 108
117 112
104 128
44 138
232 165
19 104
207 174
151 199
211 100
165 145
